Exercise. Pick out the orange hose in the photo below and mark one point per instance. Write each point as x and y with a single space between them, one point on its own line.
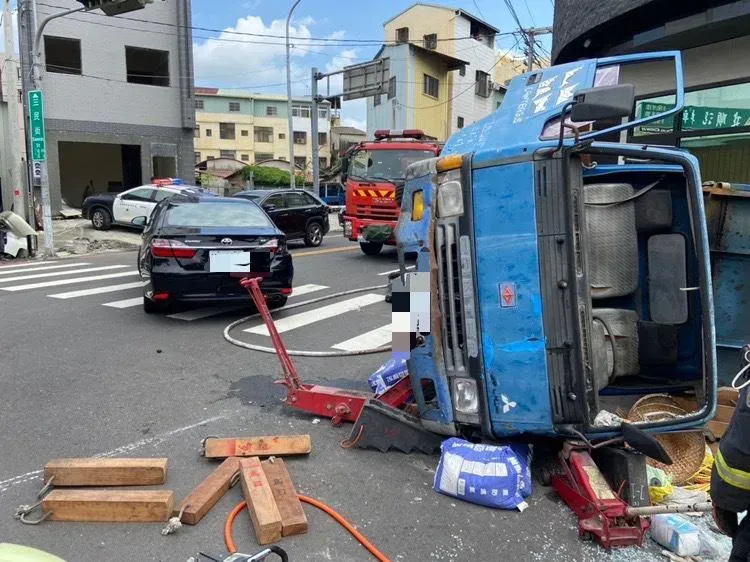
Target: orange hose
232 547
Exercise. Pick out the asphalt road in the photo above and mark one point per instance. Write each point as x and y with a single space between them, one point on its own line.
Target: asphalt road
81 377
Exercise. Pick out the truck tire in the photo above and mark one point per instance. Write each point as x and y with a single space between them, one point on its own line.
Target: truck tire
371 248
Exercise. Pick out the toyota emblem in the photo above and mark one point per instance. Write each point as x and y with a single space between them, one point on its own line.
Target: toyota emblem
226 241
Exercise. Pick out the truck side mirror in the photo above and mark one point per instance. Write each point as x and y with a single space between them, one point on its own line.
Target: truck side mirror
607 102
344 168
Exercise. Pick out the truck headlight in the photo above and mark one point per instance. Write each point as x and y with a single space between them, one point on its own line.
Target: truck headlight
450 202
466 399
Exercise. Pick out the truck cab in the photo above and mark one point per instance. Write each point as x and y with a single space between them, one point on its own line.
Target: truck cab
568 270
373 171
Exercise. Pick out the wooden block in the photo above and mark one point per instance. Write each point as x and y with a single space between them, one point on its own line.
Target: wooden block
724 413
109 505
278 445
717 428
106 472
260 502
293 520
728 396
208 492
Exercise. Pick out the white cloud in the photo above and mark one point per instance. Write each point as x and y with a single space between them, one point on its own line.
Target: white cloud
354 114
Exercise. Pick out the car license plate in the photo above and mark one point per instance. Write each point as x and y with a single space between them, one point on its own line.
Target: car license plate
229 261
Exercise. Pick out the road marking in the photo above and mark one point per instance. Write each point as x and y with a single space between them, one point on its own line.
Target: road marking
57 282
28 269
58 273
125 303
208 311
327 251
98 290
395 271
374 338
323 313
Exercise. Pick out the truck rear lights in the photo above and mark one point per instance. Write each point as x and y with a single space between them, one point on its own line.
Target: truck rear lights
162 248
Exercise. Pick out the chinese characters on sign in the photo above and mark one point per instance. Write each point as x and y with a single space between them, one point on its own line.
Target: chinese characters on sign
693 118
36 125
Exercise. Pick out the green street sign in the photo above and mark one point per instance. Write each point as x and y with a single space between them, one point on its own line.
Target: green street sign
693 117
36 125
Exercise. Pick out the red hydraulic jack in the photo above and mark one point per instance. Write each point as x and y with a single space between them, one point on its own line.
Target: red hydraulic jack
336 403
602 514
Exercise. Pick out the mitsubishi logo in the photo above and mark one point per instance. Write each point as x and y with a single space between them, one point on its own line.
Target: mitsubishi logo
508 404
226 241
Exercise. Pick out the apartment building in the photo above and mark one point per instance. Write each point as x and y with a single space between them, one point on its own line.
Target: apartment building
463 45
253 128
119 105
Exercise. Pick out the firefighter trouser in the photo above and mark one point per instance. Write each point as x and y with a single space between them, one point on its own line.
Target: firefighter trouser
741 542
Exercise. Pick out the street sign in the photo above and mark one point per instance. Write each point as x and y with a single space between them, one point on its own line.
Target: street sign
365 80
693 117
36 125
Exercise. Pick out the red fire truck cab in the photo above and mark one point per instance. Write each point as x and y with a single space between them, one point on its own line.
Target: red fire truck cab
372 171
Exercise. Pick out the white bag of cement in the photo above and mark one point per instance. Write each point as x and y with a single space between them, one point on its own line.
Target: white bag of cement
676 533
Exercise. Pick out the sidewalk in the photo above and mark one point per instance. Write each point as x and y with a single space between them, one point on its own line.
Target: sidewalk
78 236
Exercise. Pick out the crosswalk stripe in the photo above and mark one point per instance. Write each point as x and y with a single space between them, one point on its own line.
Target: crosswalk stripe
394 271
125 303
28 269
25 264
374 338
208 311
98 290
57 282
323 313
58 273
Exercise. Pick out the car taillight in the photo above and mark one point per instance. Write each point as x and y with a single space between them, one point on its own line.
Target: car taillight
161 248
274 245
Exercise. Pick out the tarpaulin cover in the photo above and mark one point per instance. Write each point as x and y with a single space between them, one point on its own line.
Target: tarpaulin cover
377 232
496 476
388 374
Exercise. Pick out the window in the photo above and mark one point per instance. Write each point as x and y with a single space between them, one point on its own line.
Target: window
198 104
431 86
276 200
385 164
210 214
295 200
322 163
376 100
227 154
142 194
460 122
226 131
263 156
63 55
402 35
147 66
245 157
300 162
197 157
323 113
208 132
243 132
391 87
234 106
430 41
209 157
272 110
482 87
263 134
282 136
301 111
300 137
197 131
162 194
462 71
322 139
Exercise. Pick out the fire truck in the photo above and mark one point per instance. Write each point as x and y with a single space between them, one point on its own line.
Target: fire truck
373 171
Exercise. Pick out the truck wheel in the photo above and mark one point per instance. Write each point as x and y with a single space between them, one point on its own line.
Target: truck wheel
314 234
101 219
371 248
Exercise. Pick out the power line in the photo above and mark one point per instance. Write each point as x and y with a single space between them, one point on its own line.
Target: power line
526 2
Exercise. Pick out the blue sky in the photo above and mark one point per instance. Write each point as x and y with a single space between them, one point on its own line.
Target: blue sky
321 30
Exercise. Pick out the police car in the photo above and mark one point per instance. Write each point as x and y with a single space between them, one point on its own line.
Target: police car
106 209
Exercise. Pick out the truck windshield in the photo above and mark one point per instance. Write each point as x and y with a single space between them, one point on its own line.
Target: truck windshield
386 165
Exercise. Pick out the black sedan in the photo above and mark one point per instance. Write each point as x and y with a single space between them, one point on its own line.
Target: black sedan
197 248
297 213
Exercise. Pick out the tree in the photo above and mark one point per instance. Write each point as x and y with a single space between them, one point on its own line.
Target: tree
271 177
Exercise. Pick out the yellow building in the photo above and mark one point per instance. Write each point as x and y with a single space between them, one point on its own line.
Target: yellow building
253 128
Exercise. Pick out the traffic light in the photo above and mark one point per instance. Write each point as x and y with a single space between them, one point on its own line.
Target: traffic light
115 7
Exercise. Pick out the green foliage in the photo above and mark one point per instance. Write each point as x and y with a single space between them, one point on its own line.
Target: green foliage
267 176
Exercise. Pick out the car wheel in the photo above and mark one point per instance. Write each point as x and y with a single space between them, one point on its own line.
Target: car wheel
101 219
371 248
314 234
151 307
278 301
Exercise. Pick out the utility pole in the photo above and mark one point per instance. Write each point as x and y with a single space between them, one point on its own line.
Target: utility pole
13 146
290 125
531 34
314 133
